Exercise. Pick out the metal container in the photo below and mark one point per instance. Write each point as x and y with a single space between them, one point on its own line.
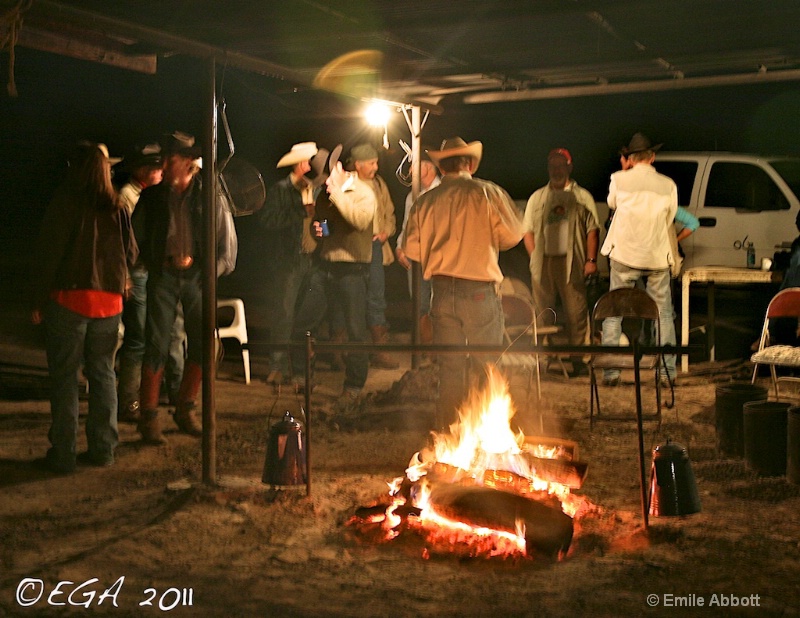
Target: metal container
729 417
793 446
765 426
285 463
673 490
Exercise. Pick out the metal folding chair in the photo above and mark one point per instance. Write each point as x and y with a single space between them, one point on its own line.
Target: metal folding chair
785 304
625 303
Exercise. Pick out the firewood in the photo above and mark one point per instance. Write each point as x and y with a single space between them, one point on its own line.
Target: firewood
547 530
569 473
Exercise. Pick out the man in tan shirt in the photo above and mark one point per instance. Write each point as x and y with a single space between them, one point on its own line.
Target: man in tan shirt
456 231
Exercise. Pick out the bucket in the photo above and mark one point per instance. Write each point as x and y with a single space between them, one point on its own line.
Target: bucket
673 490
730 398
765 436
793 446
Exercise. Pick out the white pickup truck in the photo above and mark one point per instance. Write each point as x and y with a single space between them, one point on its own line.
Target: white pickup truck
738 198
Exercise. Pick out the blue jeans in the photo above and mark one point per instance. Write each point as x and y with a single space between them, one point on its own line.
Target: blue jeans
133 344
660 290
164 291
290 277
344 283
463 313
376 295
72 338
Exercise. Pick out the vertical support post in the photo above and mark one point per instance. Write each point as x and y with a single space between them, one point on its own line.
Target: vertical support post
712 320
209 175
416 271
637 356
309 355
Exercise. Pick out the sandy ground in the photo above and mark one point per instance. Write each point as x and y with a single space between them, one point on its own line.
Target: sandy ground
152 534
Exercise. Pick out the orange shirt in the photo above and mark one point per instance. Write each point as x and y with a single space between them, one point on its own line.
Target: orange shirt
90 303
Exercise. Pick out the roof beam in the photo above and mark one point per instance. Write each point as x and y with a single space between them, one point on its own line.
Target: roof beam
56 11
564 92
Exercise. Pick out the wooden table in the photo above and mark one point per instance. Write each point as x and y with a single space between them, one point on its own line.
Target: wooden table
712 275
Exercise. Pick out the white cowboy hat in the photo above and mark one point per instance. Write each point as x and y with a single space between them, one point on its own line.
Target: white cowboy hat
457 147
299 153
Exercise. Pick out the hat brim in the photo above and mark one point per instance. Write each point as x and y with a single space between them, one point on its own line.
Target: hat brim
473 149
295 156
192 152
625 151
319 175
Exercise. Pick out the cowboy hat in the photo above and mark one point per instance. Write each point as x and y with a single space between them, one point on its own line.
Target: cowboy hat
182 144
144 156
457 147
318 167
639 143
299 153
104 149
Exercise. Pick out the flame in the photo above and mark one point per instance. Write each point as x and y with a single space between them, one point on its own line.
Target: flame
480 448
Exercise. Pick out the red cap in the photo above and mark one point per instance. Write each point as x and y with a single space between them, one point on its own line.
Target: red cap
563 152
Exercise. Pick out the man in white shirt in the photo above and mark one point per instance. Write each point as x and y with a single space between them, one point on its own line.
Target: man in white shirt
637 244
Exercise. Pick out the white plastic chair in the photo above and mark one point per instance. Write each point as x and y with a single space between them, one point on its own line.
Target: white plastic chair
237 329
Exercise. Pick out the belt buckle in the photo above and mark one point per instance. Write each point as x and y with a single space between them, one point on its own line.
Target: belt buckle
180 262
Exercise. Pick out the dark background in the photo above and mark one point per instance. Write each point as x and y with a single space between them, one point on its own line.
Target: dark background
62 100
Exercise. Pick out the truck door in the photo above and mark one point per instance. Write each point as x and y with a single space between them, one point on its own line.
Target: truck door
748 207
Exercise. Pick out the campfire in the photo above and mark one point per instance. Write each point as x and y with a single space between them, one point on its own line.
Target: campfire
483 490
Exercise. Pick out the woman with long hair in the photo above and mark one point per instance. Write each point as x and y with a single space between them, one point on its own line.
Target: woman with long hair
80 275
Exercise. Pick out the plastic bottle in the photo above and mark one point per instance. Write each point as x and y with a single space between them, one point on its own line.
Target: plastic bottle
751 255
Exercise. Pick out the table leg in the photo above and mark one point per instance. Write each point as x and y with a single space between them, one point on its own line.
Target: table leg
685 282
711 320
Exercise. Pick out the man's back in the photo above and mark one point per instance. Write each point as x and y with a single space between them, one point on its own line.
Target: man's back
645 203
458 228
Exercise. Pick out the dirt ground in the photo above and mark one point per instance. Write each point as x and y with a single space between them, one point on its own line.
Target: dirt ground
240 548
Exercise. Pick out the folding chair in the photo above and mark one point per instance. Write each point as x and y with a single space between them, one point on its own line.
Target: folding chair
625 303
519 321
785 304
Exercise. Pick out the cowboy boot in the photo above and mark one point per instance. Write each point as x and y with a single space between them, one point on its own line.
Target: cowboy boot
185 414
130 376
381 360
149 425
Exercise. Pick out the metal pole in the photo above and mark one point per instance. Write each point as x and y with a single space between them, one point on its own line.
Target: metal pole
637 356
416 271
210 279
309 355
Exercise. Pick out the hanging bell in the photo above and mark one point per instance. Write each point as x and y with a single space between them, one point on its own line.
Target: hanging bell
285 463
673 490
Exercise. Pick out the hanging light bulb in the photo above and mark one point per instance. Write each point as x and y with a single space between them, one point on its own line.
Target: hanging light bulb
377 115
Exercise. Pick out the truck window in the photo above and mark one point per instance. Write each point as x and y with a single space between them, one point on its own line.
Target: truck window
742 186
789 170
683 173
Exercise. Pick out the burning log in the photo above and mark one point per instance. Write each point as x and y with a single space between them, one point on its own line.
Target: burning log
569 473
547 529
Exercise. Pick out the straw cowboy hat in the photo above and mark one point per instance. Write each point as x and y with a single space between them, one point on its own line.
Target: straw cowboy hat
104 149
457 147
639 143
299 153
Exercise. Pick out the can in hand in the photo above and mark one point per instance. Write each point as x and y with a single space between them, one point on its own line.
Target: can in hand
324 226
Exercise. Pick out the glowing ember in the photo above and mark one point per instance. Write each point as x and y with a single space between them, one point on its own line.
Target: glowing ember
504 472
